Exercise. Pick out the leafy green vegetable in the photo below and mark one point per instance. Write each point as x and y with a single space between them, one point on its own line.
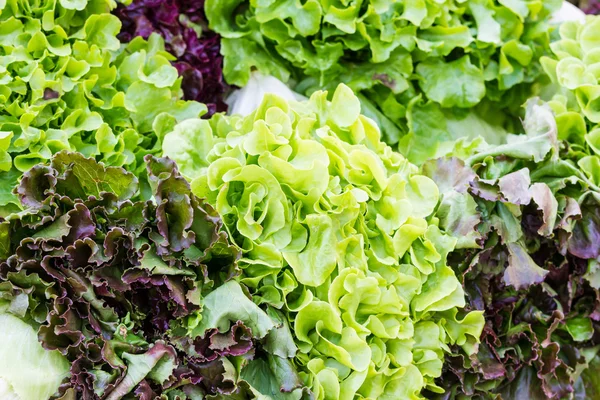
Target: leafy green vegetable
525 218
467 88
68 84
337 234
455 54
229 304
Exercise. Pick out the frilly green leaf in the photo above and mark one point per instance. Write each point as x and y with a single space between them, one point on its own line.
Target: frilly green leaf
457 54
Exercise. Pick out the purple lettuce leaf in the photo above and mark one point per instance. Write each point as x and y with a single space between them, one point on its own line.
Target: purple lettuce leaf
592 7
586 234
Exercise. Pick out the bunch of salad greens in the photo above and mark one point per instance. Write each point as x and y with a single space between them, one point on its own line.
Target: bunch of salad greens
427 71
129 299
337 234
183 26
528 227
68 84
288 251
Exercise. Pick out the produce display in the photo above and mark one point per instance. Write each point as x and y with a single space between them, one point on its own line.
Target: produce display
299 200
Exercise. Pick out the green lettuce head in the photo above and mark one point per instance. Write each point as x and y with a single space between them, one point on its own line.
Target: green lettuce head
68 84
426 70
574 69
337 234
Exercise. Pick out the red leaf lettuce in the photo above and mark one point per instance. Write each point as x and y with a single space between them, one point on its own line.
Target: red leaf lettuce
528 229
137 295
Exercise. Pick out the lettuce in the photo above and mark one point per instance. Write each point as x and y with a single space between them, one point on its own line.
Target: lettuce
573 70
28 371
182 24
592 7
575 78
525 218
478 59
128 298
68 84
337 234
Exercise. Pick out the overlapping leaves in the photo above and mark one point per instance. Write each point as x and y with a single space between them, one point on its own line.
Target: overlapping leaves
575 73
336 233
183 26
427 71
68 84
138 295
525 216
